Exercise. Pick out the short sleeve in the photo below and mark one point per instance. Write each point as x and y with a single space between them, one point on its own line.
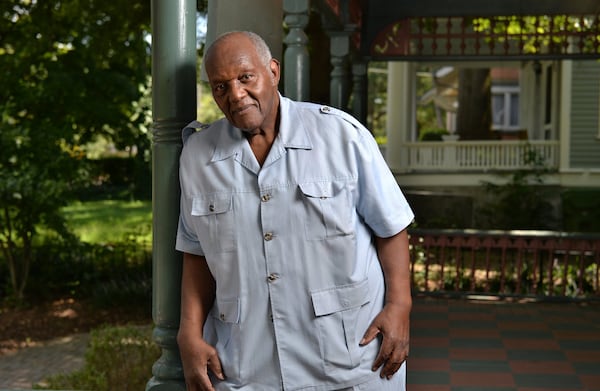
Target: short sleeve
187 240
381 202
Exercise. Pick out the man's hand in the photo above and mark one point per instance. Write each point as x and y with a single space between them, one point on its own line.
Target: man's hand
393 322
197 358
197 297
393 325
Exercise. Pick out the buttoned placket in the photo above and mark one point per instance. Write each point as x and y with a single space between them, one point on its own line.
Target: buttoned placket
270 217
268 235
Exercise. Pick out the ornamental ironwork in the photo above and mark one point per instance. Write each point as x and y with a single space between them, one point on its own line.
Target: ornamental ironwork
495 37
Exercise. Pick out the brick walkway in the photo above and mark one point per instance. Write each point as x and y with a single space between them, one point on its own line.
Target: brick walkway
459 345
456 345
22 369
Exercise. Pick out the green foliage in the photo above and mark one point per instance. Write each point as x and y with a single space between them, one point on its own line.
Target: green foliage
72 70
432 134
581 210
377 98
532 29
74 66
101 273
467 269
110 221
118 358
425 113
208 111
113 265
520 203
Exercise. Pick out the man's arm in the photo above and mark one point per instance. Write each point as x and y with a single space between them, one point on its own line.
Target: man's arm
393 322
197 298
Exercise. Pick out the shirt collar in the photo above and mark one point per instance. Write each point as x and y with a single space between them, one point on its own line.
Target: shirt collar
292 133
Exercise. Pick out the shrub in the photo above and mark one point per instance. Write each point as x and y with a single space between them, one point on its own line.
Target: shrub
522 202
432 134
118 358
108 274
581 210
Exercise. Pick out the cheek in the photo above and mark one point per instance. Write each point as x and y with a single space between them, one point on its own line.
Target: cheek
221 104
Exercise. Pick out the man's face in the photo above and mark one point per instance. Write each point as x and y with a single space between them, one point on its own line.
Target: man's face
243 86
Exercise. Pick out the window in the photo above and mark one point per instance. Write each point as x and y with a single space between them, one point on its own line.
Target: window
505 108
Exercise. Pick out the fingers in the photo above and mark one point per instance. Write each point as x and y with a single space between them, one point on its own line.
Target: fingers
391 357
369 335
199 359
393 363
198 381
214 364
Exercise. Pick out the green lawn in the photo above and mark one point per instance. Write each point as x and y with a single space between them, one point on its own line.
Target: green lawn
110 221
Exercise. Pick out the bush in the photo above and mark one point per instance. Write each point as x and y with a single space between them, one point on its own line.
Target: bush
432 134
581 210
523 202
109 275
118 358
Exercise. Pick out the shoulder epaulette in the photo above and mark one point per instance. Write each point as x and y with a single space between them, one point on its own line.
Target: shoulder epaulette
340 113
192 128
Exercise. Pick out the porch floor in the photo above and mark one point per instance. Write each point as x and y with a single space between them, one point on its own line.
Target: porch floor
497 345
456 345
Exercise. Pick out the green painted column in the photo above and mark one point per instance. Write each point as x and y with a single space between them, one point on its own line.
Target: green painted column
173 106
339 89
360 91
296 61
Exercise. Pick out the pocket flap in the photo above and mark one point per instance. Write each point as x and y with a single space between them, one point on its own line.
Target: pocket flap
320 189
228 310
211 204
340 298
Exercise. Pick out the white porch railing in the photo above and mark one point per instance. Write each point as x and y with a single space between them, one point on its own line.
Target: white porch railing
477 155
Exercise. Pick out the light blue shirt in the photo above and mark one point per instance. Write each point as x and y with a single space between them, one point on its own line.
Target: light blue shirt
290 247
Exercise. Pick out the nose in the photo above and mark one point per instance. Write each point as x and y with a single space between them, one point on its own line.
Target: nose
237 91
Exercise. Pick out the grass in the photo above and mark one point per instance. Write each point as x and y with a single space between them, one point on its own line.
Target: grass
109 221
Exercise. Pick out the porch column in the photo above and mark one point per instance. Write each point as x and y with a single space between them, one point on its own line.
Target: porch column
173 106
400 112
339 90
296 59
360 93
264 17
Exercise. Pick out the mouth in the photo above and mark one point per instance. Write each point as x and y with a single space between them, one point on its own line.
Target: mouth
241 110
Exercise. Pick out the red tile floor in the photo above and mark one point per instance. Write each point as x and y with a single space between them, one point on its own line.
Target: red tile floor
499 345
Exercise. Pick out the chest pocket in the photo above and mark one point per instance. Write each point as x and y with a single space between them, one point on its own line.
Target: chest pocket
214 222
328 209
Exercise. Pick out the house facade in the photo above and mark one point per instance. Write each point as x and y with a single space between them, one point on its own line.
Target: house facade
553 109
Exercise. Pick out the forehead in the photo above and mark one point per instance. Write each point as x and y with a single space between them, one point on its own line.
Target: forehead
228 58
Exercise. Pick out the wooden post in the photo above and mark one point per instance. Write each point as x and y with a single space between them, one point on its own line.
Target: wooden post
296 59
173 106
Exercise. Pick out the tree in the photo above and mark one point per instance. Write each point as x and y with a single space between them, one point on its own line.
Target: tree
474 117
72 71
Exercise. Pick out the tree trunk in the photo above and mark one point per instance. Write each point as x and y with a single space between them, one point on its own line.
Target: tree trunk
474 118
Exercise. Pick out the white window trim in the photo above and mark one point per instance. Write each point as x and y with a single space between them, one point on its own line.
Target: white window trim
506 91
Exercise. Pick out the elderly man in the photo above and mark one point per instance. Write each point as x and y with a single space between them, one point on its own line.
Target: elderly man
293 229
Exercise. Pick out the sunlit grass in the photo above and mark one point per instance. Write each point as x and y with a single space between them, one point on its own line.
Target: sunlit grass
110 221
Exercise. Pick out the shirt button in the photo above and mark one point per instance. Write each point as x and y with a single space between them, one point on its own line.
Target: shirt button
272 277
222 317
265 197
268 236
211 208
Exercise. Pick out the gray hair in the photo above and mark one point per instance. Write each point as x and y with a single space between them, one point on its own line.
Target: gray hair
262 49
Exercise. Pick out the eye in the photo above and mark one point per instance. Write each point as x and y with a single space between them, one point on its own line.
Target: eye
218 88
246 77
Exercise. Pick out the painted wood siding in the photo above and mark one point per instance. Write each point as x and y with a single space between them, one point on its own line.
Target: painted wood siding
585 117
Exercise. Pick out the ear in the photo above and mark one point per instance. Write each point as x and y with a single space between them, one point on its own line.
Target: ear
275 71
